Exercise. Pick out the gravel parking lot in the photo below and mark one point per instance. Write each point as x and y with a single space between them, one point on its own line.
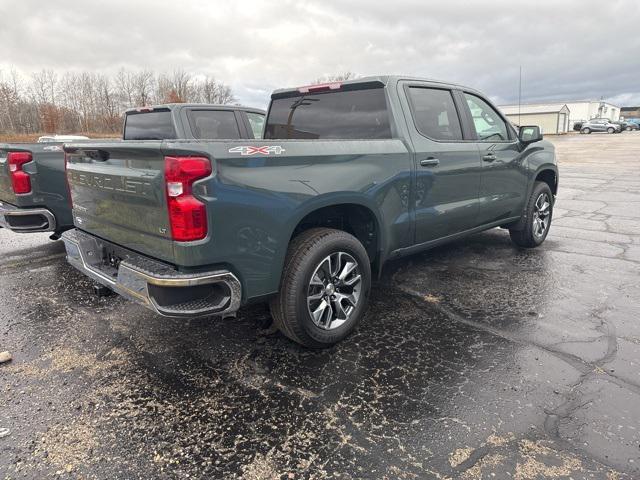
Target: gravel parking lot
475 360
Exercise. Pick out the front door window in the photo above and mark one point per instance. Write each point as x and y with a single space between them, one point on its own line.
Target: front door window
488 123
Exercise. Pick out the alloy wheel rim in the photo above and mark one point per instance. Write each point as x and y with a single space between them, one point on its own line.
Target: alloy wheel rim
334 290
541 215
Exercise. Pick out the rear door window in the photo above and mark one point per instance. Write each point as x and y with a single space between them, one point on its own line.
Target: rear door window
214 124
154 125
435 114
352 114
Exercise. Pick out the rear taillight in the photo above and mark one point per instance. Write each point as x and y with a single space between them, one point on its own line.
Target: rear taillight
187 214
20 180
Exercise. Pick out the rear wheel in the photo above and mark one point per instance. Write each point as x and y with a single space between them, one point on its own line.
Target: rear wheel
325 288
539 212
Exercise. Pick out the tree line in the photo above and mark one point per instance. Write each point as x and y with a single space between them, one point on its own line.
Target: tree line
89 102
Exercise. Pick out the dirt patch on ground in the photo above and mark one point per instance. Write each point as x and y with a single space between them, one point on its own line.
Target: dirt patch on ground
261 468
68 447
535 466
66 360
459 456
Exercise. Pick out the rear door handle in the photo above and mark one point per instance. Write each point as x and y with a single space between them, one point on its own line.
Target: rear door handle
430 162
489 157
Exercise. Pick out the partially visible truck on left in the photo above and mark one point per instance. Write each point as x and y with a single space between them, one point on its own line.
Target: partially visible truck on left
33 191
34 196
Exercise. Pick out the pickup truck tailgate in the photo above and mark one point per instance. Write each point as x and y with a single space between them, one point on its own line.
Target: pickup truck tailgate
118 193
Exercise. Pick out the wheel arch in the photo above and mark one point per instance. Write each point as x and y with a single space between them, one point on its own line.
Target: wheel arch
549 175
354 209
320 211
540 170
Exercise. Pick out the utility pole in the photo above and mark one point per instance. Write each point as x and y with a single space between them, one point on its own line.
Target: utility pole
519 96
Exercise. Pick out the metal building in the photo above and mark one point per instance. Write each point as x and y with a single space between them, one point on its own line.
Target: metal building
552 118
579 110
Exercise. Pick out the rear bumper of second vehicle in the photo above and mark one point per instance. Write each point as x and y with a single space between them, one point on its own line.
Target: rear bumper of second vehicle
156 285
26 220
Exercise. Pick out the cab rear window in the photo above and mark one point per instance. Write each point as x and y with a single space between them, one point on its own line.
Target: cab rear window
154 125
214 124
353 114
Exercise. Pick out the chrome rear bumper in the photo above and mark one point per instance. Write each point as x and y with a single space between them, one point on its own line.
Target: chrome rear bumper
154 284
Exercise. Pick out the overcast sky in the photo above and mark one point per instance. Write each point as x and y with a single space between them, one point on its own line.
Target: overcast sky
568 49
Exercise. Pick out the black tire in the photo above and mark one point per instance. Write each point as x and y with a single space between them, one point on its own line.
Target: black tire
611 130
306 253
585 130
529 236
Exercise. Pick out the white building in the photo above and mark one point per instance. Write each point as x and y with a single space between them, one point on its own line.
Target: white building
551 118
579 110
588 109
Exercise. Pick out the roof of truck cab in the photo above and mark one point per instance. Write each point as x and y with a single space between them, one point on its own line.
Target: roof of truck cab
383 79
176 106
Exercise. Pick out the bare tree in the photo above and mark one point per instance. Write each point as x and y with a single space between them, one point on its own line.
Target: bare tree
44 86
9 100
74 102
174 88
144 82
337 77
209 90
126 85
224 94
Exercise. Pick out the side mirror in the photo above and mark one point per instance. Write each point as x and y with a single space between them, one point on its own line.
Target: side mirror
530 134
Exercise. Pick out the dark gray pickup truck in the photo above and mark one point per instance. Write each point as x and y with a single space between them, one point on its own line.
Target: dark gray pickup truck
33 189
348 176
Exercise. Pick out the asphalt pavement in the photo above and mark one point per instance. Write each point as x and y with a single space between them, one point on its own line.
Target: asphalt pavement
475 360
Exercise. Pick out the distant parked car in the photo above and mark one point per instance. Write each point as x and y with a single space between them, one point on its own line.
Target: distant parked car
623 125
599 125
61 138
577 126
633 124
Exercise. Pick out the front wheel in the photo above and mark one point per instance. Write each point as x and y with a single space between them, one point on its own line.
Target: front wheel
585 130
611 130
538 214
324 289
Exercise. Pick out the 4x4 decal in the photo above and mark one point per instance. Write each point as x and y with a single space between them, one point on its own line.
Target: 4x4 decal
266 150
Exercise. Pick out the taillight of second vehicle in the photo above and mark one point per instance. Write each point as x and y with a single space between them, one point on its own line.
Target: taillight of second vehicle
187 214
20 180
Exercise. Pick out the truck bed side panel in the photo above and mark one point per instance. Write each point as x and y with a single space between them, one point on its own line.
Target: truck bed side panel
260 200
